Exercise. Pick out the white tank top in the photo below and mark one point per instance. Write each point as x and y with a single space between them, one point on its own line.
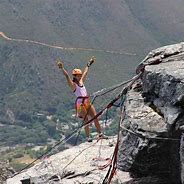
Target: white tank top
80 91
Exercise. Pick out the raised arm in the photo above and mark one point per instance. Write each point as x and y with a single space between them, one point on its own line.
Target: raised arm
85 72
69 80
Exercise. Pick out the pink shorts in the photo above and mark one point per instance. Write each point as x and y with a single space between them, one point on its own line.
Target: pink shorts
81 103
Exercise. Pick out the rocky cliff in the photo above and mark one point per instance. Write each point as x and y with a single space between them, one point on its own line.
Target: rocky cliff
5 171
86 163
151 145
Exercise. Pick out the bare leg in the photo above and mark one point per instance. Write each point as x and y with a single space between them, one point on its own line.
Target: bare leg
85 118
92 113
87 130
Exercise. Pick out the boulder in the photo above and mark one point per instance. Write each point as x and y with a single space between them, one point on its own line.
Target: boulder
151 131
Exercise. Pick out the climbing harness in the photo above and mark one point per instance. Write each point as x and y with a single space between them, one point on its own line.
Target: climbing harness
85 103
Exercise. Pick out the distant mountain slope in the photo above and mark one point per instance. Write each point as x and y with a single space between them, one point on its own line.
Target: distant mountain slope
163 19
31 82
95 24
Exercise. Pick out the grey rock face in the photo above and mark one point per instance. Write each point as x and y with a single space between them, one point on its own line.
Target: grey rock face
83 164
154 117
182 157
5 171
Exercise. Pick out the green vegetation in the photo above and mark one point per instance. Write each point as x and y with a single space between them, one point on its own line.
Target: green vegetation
21 156
17 165
31 86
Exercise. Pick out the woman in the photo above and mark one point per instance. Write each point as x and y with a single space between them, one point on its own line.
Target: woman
84 108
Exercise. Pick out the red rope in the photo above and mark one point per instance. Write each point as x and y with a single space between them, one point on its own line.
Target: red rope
114 163
101 167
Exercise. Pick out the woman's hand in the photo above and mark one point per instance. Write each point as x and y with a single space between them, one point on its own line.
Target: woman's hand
69 80
91 61
59 63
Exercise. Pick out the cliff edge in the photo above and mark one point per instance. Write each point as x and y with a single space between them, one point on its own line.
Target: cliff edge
151 145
